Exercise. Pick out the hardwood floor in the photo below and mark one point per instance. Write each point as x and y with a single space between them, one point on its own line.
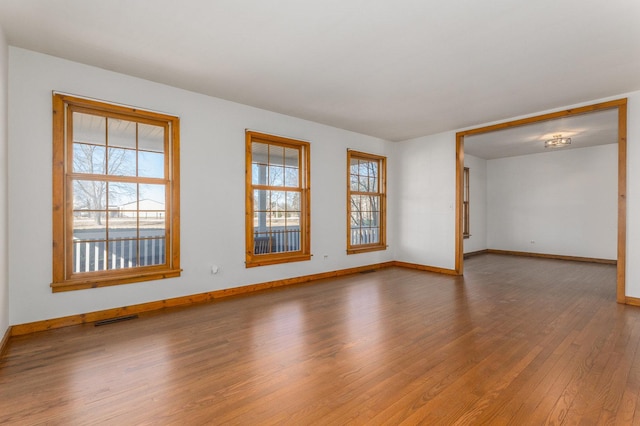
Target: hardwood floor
517 341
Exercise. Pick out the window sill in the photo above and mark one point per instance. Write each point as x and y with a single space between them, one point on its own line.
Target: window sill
365 249
256 261
97 281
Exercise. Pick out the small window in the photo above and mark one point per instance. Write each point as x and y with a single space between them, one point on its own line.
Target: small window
115 194
277 200
465 203
366 202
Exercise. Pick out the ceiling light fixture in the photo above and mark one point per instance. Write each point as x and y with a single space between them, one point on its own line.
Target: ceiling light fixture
557 142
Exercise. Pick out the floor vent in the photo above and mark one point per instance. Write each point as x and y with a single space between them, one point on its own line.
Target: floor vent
113 320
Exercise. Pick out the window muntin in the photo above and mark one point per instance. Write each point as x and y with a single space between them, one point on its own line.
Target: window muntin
465 203
277 225
116 200
366 202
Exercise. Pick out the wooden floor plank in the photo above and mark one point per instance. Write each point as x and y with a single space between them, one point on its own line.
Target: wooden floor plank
514 341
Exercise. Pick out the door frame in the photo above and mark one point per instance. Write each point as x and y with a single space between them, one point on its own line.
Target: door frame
621 106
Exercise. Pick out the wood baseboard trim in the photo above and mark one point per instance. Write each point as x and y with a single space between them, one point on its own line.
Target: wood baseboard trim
4 343
633 301
50 324
91 317
553 256
475 253
425 268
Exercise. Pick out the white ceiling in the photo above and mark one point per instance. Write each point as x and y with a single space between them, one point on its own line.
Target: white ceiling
595 128
392 69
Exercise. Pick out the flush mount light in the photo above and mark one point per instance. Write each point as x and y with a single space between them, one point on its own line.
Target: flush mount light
557 142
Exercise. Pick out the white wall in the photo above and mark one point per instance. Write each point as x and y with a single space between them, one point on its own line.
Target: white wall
212 188
425 192
477 204
557 202
633 195
4 253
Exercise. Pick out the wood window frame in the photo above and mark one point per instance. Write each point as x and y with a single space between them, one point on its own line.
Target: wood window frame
466 230
381 192
64 278
252 258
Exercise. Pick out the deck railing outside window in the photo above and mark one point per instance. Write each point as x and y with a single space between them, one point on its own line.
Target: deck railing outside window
121 253
276 240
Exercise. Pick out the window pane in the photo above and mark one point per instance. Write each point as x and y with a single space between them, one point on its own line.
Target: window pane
152 224
288 240
151 151
259 153
276 155
89 194
259 160
89 225
150 138
122 224
122 196
355 236
370 203
150 164
152 232
372 168
89 129
365 218
364 168
278 201
291 177
89 255
152 197
372 185
355 219
353 182
123 253
292 201
276 176
293 220
88 158
151 251
363 184
262 243
370 235
258 174
121 162
122 133
355 203
260 206
291 157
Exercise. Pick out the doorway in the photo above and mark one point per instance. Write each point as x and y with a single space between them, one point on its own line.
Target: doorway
620 106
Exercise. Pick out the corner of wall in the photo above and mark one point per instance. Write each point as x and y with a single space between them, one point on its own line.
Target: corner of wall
4 136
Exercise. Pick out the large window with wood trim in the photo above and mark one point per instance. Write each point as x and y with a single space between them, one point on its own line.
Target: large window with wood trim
277 200
366 202
465 203
115 194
